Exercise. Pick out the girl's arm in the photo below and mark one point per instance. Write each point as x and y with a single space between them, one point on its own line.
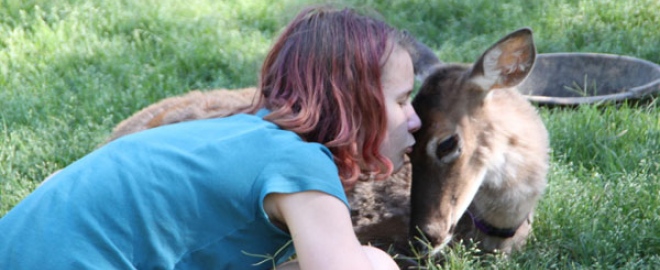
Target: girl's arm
322 232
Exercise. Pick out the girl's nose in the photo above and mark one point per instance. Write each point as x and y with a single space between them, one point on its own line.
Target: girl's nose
414 123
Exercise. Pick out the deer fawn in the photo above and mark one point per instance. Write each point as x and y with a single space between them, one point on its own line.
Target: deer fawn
480 162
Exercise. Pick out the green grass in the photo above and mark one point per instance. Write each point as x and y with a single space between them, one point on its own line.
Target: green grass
71 70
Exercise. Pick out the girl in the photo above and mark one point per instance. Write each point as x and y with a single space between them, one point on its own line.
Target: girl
224 193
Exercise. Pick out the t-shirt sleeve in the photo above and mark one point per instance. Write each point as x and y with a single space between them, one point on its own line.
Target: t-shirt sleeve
305 167
297 169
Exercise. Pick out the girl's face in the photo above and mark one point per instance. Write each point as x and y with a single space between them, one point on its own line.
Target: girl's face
402 120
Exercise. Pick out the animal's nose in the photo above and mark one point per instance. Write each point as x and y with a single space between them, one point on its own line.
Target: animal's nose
430 241
422 241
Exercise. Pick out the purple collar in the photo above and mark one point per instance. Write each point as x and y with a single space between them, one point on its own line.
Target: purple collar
491 230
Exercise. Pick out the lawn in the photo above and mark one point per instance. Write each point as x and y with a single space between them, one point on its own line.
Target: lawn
72 69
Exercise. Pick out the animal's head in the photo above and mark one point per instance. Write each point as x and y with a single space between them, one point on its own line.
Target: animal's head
447 168
424 60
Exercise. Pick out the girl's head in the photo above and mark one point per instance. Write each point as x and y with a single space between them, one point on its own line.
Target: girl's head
323 79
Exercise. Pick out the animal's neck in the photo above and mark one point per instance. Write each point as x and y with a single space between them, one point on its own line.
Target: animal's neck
491 230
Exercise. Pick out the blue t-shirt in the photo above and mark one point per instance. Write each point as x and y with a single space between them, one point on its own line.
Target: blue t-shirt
183 196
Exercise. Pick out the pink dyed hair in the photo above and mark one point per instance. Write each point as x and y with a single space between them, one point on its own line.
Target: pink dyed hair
322 80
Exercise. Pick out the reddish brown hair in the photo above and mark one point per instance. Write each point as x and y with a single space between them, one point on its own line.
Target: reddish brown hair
322 80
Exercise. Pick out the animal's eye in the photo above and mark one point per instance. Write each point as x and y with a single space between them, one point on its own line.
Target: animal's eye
448 148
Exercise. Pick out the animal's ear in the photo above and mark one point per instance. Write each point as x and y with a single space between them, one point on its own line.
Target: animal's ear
424 59
507 62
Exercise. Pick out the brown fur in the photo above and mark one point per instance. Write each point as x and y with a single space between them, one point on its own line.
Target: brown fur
192 105
482 149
